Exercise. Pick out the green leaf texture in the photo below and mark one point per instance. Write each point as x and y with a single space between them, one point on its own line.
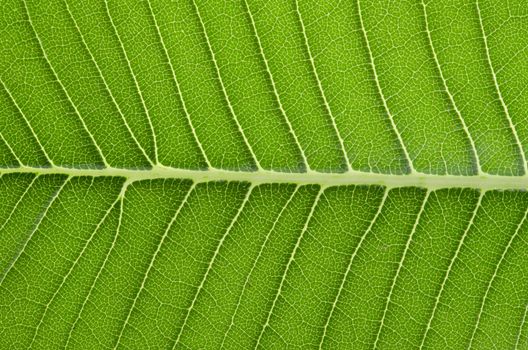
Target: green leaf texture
238 174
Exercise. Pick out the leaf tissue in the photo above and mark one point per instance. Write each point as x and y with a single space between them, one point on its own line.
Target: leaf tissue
284 174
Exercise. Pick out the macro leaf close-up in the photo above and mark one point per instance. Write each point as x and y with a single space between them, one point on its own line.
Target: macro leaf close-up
275 174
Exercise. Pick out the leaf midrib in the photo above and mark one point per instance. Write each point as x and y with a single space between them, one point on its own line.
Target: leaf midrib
429 181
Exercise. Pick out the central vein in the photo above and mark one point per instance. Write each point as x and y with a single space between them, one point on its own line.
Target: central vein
430 181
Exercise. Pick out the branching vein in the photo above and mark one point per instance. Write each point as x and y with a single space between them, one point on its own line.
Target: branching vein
222 85
380 91
523 321
321 90
400 265
11 150
492 279
119 111
275 91
449 94
210 265
499 93
178 88
136 84
257 259
287 268
449 268
152 261
40 219
55 75
349 266
26 121
120 202
70 270
20 200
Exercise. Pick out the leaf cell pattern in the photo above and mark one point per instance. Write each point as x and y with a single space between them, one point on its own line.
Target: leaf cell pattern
264 174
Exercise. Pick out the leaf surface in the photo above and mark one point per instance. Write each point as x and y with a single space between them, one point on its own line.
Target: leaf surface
263 174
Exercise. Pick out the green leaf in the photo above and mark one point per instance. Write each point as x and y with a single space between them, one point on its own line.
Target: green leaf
264 174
